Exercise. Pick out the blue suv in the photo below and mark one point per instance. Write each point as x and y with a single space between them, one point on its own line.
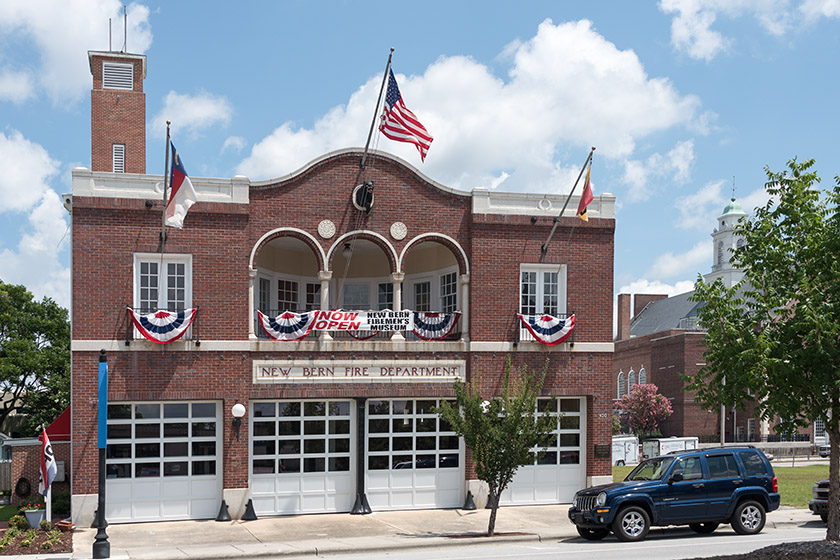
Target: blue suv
701 488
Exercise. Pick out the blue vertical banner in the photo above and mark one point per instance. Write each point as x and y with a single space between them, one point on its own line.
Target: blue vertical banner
103 399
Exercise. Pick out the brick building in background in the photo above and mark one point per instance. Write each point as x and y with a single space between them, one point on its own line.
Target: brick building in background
329 418
660 339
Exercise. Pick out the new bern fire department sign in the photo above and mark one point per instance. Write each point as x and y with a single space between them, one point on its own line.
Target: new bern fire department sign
358 371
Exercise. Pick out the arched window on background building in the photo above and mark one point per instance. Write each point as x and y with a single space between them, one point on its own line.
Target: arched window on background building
642 376
622 388
631 379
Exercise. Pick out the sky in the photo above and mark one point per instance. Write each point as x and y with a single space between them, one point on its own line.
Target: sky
686 101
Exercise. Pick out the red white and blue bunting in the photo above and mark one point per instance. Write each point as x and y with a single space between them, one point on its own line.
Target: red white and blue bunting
288 325
547 329
434 326
163 326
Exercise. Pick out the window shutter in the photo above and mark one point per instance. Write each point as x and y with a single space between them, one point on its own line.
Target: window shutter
118 157
117 75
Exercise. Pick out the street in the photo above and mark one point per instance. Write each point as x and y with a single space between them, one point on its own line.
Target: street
673 543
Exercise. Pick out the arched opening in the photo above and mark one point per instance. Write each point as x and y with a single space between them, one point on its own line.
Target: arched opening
431 282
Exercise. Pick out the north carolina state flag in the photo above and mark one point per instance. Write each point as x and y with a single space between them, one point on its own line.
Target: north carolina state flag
181 194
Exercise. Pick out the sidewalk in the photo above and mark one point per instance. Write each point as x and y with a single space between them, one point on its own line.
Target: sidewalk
331 534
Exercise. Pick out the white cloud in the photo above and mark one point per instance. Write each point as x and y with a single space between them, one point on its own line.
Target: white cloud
815 9
692 25
63 31
191 114
700 209
235 143
674 166
27 167
34 262
643 286
688 264
568 89
15 86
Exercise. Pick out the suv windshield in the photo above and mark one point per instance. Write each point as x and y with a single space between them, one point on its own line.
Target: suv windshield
651 469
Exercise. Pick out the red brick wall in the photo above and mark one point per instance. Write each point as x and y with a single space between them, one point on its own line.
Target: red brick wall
220 238
26 462
623 317
117 116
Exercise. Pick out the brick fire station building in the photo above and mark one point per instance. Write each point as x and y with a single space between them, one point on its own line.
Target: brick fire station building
336 414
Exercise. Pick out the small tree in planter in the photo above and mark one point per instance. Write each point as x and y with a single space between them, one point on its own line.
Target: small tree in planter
502 432
644 408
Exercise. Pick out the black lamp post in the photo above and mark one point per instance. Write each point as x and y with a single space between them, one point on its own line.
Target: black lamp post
101 546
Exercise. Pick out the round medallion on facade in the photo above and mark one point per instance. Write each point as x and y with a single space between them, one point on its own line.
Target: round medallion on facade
398 231
326 229
544 204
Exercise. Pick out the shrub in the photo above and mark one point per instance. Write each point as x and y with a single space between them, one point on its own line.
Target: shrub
61 502
19 522
45 525
46 545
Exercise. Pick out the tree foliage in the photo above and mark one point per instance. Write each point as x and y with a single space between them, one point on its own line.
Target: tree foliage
34 358
774 339
503 432
644 408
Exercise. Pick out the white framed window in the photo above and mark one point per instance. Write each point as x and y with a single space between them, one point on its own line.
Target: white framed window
385 295
819 428
422 296
631 379
313 297
264 297
118 158
356 297
117 75
162 282
542 291
287 295
449 292
751 429
620 385
642 376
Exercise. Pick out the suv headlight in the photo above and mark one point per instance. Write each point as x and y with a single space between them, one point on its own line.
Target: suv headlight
601 499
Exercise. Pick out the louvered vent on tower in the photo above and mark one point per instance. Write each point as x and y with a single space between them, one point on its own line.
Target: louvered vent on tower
116 75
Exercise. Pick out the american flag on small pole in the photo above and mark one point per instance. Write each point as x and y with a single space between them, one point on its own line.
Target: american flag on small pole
400 124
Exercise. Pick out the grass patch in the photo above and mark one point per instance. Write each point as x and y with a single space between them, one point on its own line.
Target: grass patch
795 483
6 512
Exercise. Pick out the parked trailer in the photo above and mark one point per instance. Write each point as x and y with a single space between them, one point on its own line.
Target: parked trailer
663 446
625 450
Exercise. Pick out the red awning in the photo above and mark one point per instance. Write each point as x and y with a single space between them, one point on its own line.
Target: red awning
59 430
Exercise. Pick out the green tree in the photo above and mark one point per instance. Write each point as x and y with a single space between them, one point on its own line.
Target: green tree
34 357
503 432
774 339
644 408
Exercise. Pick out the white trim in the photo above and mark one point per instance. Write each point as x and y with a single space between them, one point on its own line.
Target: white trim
421 237
335 346
162 260
351 234
252 264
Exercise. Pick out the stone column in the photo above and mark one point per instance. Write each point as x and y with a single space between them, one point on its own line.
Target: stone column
465 307
397 280
325 276
252 278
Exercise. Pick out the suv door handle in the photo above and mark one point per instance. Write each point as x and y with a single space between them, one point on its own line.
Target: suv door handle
737 482
698 485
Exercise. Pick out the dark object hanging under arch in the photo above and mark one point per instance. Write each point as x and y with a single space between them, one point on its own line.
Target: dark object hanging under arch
23 488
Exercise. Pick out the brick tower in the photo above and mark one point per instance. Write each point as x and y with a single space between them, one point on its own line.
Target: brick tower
117 112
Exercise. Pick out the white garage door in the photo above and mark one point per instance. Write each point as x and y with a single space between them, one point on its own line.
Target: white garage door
562 470
301 456
414 460
163 461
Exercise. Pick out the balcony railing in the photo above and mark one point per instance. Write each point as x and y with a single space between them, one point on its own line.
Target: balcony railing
363 336
132 333
524 335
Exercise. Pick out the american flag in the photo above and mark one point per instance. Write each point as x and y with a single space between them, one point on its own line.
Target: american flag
400 124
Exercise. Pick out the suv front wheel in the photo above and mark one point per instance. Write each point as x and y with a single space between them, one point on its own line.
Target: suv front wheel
749 518
631 524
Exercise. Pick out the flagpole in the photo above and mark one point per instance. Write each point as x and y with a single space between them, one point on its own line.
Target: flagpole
376 110
565 204
165 183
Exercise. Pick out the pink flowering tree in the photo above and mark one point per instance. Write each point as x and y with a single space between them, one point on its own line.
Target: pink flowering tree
644 408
